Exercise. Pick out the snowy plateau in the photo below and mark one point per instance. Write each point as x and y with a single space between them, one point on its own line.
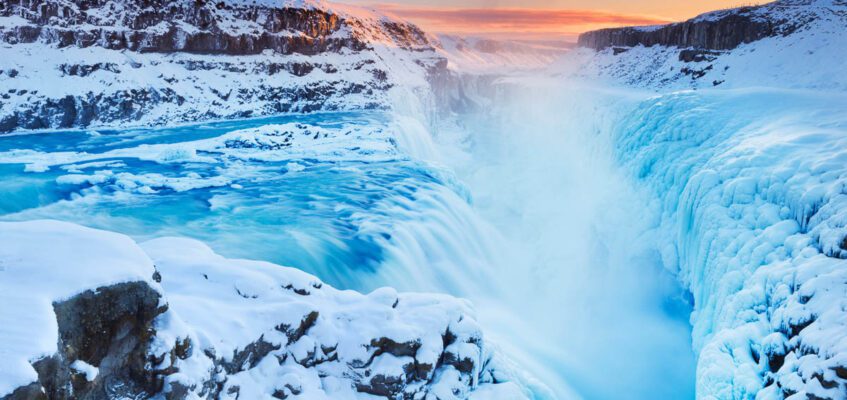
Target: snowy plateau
262 199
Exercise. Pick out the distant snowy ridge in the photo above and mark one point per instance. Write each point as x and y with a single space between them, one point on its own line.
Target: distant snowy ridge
111 324
78 63
721 30
789 44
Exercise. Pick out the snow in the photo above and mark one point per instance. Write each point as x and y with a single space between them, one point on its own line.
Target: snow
220 85
222 306
192 87
736 178
40 264
89 371
810 58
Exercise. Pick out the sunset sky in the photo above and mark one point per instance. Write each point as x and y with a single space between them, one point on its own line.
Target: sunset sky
541 19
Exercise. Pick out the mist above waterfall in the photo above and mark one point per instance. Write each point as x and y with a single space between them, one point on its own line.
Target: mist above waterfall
570 280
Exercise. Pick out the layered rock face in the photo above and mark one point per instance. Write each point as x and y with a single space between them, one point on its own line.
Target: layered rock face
155 62
770 45
168 26
197 325
720 30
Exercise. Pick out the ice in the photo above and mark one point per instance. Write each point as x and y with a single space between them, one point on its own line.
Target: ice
743 198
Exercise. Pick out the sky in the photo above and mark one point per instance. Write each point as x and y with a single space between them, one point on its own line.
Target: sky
541 19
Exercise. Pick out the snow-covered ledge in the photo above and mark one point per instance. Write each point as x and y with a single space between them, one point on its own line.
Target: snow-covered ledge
91 311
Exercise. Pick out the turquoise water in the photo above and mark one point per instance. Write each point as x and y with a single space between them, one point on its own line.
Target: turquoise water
332 219
530 256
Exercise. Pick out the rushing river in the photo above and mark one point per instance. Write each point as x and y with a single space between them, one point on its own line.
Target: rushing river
361 217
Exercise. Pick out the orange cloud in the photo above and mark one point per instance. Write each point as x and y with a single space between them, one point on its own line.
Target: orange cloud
516 21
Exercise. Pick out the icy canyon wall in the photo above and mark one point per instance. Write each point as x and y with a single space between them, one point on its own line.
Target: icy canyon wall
748 176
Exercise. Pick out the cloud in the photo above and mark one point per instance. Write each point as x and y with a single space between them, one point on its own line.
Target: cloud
517 20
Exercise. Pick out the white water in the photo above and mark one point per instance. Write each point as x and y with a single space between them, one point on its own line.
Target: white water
558 252
520 210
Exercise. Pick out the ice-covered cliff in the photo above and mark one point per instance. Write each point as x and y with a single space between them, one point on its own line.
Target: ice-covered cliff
77 63
747 173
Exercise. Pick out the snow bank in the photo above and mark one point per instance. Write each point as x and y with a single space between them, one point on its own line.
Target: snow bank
238 328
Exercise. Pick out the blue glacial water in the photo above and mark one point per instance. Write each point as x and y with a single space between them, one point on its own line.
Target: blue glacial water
332 219
570 301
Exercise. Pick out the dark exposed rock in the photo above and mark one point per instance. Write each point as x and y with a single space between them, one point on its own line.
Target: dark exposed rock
159 26
249 356
724 34
108 328
32 391
127 106
381 385
385 345
721 30
153 26
289 390
462 364
691 55
304 326
85 70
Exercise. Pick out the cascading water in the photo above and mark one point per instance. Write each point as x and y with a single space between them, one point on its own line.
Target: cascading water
520 210
563 266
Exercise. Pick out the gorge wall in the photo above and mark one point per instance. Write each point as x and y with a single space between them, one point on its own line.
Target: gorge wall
719 30
155 62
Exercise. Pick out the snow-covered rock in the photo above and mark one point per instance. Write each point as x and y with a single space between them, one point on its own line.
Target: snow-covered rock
75 63
795 44
91 314
723 29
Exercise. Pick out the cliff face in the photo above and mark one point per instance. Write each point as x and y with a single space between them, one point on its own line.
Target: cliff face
195 26
723 34
771 45
78 63
719 30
